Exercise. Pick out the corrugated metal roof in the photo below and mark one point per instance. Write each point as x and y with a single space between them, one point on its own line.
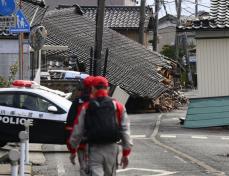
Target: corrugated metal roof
207 112
130 65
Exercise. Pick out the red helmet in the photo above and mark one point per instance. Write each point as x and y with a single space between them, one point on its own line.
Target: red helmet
87 82
100 81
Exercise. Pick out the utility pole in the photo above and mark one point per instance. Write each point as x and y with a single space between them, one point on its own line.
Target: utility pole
142 22
196 8
99 36
178 9
155 28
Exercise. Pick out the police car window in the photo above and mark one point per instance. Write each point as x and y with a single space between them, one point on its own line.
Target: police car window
34 103
43 105
7 100
28 102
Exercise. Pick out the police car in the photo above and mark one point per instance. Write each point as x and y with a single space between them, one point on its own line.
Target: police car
45 111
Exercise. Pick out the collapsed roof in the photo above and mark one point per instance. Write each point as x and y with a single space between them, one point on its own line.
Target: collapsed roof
130 65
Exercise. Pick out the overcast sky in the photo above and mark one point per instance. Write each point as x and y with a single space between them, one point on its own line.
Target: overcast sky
188 6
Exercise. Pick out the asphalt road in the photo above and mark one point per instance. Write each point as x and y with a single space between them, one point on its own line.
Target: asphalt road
161 147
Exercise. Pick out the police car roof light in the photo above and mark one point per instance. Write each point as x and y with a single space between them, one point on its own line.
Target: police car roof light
22 83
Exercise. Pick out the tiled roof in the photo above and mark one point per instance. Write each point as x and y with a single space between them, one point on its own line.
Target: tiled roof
218 19
120 16
130 65
33 11
54 3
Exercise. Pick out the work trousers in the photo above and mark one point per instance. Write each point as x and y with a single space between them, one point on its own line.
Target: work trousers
83 162
103 159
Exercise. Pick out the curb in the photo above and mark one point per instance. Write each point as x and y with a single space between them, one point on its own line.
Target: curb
5 170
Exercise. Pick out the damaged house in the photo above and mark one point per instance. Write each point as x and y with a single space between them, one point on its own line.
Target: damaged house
130 65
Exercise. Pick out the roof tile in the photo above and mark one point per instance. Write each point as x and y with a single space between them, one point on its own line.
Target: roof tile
218 19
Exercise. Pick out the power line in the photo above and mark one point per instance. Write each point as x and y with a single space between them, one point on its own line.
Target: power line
199 4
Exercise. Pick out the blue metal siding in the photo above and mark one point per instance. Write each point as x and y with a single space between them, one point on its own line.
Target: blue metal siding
207 112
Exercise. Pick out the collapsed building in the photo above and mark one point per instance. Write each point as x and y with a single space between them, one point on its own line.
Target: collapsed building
147 76
131 66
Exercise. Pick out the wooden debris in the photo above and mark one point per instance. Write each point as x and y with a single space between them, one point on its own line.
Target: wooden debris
171 99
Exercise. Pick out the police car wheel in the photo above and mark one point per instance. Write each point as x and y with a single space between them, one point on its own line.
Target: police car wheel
2 143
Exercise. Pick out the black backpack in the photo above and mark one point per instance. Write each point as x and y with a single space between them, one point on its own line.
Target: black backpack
101 124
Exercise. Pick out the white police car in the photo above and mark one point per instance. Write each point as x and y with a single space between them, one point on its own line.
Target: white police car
45 111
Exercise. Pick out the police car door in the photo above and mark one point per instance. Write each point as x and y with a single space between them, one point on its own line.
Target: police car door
10 124
47 119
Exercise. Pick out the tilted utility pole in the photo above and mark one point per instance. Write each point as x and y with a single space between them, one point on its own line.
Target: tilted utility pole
99 36
155 28
142 22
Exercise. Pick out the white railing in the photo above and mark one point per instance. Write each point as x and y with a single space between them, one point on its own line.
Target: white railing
24 137
13 156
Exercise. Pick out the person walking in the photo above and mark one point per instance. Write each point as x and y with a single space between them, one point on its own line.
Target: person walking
103 122
72 119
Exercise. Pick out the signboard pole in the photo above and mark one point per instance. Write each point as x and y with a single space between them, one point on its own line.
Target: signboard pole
21 56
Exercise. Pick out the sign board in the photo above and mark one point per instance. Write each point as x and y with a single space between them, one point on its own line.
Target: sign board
6 22
192 59
120 95
7 7
22 24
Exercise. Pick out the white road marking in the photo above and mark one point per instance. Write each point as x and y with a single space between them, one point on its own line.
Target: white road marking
138 136
181 159
175 118
181 154
152 172
141 136
167 136
199 137
225 138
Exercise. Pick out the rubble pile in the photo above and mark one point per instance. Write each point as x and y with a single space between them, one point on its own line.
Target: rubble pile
169 101
172 98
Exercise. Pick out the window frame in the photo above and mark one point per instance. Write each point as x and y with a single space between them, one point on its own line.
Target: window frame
18 93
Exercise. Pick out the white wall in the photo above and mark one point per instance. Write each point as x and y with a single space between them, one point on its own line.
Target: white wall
213 67
9 56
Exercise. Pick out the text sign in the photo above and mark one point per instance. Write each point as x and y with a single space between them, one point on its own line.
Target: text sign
7 22
22 24
7 7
